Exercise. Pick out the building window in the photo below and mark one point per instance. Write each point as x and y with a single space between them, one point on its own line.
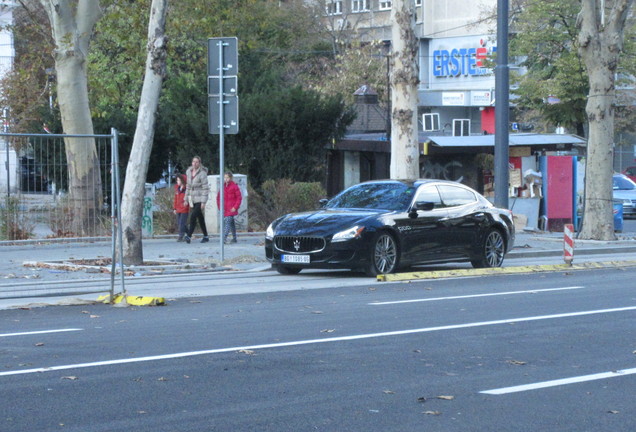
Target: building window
461 127
359 5
334 7
385 4
418 2
430 122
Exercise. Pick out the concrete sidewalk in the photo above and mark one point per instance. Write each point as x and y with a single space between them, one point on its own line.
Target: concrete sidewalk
247 254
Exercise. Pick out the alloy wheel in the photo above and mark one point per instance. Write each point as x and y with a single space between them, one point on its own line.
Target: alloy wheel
494 249
385 254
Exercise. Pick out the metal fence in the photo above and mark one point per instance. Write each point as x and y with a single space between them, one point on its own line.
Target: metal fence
61 186
624 156
38 198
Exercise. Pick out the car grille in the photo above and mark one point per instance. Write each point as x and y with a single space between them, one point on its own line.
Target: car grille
298 244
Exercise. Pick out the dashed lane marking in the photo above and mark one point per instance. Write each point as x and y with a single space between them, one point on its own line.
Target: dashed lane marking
474 296
40 332
560 382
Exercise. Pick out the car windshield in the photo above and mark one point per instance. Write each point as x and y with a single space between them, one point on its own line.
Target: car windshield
623 183
377 196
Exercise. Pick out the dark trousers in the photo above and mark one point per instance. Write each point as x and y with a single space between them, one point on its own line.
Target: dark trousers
229 226
182 223
196 214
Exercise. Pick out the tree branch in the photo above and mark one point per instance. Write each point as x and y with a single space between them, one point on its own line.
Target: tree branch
88 13
587 23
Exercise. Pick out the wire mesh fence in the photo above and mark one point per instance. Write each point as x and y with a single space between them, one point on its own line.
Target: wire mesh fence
54 186
624 157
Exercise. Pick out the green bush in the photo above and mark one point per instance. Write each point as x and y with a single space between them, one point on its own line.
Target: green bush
14 225
279 197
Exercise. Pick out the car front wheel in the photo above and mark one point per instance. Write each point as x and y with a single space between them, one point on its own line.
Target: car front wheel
492 251
384 255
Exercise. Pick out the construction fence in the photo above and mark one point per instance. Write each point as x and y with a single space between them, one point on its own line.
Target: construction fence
42 198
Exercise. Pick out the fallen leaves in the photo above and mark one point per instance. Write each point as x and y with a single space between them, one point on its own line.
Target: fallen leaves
388 392
446 397
246 351
327 331
435 413
70 378
516 362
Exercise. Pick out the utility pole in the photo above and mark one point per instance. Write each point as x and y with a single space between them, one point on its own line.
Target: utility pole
502 96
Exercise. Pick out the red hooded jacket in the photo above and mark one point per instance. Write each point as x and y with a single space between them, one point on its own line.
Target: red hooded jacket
232 199
179 196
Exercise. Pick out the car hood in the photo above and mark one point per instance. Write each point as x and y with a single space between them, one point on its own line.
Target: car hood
624 194
323 222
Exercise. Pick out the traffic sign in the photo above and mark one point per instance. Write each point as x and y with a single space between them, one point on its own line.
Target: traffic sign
229 47
230 86
230 115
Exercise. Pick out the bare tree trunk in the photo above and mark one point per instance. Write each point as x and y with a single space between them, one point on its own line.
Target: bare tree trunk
133 195
405 154
72 25
600 45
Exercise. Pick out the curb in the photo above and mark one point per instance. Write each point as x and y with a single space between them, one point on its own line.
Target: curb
519 253
396 277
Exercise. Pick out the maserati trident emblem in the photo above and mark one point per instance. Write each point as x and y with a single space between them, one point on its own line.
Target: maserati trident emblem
297 245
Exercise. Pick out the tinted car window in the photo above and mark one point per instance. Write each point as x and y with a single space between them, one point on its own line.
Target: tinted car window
382 196
622 183
455 196
429 194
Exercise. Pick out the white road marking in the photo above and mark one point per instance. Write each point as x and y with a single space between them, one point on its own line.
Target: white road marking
40 332
560 382
474 296
312 341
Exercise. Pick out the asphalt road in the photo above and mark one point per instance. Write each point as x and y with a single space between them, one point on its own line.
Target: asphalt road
444 355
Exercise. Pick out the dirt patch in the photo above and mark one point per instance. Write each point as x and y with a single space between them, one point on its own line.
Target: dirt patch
105 264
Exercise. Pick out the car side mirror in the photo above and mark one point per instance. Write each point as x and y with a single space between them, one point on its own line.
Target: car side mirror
421 206
323 202
424 205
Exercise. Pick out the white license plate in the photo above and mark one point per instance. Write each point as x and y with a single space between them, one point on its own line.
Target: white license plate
298 259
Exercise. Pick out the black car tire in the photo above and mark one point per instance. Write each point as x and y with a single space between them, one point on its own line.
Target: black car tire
492 251
384 254
287 270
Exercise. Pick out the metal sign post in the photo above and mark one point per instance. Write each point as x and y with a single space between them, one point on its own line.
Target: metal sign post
222 106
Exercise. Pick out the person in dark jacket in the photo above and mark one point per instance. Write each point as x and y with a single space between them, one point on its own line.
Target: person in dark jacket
180 206
231 202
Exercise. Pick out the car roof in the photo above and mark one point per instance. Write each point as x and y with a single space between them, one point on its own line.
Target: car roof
413 182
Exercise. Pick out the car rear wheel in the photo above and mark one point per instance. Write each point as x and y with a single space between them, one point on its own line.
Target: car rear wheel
384 255
288 270
492 251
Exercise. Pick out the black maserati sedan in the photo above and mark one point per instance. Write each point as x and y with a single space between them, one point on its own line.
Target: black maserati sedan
380 227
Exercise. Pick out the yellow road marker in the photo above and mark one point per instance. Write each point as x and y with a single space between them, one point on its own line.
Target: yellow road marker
395 277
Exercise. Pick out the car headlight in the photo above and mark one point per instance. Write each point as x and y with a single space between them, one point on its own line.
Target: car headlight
269 233
348 234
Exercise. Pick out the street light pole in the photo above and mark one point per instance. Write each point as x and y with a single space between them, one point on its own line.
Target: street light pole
387 49
502 95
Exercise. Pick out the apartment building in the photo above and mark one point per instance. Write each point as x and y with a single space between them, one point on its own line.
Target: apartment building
456 37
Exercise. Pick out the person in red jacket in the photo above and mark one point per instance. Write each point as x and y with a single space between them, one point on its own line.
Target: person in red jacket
232 201
180 206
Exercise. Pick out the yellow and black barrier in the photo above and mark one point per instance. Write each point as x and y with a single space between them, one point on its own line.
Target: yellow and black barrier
132 300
